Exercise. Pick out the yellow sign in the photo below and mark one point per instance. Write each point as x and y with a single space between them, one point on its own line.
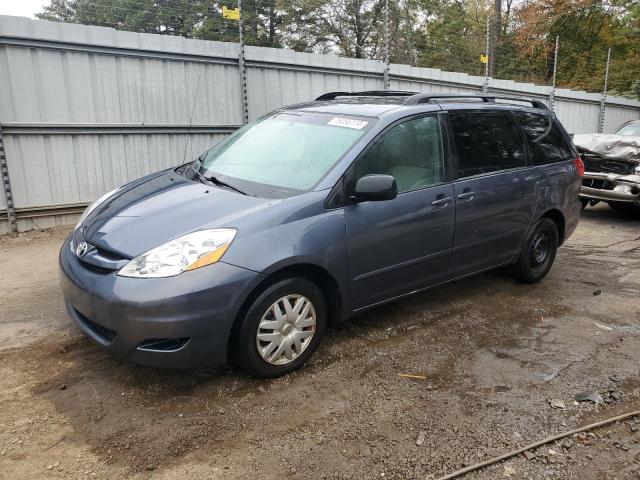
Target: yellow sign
484 59
231 13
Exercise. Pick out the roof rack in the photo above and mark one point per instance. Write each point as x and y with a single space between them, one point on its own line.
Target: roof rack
426 98
367 93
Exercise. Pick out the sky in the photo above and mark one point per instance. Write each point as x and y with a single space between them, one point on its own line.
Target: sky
22 8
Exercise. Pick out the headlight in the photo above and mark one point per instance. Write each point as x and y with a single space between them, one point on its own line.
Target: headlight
93 206
189 252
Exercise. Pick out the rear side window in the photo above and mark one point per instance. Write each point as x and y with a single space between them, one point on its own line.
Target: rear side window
545 138
486 142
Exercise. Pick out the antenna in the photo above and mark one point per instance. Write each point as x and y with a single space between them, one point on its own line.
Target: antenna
193 109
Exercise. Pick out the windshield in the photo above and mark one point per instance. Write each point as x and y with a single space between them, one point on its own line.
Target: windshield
288 152
631 129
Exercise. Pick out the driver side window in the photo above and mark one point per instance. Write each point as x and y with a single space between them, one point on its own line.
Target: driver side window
411 152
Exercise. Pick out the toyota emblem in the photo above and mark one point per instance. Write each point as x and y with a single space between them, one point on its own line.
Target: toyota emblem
82 249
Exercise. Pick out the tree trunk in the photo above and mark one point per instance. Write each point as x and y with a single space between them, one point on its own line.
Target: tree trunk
272 26
358 31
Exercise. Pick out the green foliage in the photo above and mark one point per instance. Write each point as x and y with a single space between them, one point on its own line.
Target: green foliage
453 37
347 27
445 34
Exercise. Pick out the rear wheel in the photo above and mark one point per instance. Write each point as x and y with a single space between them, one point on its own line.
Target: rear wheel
539 252
282 328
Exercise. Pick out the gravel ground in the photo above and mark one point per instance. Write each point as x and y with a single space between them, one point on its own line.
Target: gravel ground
494 354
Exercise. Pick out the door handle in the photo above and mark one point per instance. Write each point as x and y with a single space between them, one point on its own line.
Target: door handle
468 195
440 200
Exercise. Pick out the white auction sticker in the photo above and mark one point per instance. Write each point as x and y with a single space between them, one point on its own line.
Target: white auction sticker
348 123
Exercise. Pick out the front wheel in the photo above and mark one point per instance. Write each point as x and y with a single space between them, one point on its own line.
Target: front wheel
538 253
281 329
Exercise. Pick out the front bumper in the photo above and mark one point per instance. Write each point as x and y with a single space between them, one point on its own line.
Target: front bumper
182 322
611 187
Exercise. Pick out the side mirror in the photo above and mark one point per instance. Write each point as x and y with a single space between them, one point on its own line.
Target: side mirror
375 188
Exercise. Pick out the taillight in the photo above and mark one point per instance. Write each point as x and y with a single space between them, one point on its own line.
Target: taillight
580 166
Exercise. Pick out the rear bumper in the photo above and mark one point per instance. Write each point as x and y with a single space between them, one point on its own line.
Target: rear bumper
611 187
182 322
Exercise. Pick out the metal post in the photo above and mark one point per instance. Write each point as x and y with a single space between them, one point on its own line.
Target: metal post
603 101
386 45
485 85
243 71
6 188
552 95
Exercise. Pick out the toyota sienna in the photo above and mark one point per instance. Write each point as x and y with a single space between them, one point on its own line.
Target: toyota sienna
316 212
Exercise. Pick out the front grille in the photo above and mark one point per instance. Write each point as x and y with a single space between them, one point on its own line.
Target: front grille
97 259
597 183
109 255
96 268
105 334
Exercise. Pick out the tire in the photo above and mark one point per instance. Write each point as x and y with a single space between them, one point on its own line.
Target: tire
625 208
538 253
291 331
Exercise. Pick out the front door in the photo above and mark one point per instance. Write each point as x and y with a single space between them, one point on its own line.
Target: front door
496 194
401 245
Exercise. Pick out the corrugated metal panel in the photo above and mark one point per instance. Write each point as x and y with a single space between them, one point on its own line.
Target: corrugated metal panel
278 77
67 87
62 169
578 117
269 89
59 75
426 87
40 223
616 116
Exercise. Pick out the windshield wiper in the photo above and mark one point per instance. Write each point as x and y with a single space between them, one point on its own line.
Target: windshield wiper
217 181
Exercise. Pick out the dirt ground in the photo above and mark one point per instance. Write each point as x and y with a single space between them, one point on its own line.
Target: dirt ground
494 354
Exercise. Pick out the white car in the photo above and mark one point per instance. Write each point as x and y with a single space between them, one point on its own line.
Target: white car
612 164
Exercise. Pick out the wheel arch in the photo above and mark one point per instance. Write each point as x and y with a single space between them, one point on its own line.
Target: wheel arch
320 276
558 218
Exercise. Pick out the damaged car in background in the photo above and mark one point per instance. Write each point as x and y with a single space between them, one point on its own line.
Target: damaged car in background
612 168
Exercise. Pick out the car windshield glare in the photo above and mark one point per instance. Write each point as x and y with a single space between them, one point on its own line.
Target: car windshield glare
286 150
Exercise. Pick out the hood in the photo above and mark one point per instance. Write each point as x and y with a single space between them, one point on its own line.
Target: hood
158 208
609 145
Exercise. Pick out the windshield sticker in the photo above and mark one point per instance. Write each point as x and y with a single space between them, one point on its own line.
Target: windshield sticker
348 123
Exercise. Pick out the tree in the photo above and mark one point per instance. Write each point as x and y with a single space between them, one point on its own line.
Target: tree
586 28
452 35
445 34
346 27
188 18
